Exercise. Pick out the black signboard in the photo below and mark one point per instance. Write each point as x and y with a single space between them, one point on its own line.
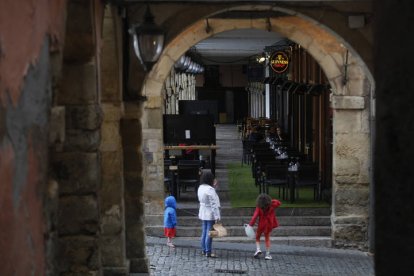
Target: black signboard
279 62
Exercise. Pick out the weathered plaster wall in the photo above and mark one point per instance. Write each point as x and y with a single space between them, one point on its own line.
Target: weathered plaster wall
23 163
23 28
29 31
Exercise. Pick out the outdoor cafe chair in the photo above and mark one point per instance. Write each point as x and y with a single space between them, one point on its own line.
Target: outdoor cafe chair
168 176
188 175
308 176
275 176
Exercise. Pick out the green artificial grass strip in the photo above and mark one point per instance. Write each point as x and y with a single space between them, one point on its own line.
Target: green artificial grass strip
243 192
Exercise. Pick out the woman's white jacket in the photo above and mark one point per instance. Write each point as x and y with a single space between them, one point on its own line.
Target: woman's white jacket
209 203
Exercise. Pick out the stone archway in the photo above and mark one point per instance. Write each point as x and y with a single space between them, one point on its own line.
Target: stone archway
351 114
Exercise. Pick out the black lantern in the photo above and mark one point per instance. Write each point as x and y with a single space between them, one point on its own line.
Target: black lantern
148 41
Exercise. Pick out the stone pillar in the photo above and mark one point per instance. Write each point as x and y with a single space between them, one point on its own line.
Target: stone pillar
153 153
112 207
153 156
131 132
112 194
77 164
78 170
351 161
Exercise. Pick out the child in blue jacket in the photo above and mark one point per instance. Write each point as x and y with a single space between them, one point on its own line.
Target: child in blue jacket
170 219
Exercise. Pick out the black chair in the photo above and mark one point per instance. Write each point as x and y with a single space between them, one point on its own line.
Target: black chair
259 146
259 160
188 175
168 177
275 176
308 176
246 151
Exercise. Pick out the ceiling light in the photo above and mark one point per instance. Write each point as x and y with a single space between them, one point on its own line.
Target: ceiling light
261 58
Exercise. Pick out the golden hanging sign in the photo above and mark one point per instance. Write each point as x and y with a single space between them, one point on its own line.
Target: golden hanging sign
279 61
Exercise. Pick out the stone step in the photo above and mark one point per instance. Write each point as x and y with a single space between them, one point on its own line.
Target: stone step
287 221
249 211
240 220
308 241
238 231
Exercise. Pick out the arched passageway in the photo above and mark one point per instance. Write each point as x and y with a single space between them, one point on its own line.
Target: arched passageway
103 108
351 115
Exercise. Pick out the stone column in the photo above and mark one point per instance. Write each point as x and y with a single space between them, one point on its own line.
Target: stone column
77 168
153 160
131 132
112 207
153 153
77 164
112 194
351 161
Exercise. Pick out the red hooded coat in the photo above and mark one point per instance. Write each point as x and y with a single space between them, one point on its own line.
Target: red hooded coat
267 218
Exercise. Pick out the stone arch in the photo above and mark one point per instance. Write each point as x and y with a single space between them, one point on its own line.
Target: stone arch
351 110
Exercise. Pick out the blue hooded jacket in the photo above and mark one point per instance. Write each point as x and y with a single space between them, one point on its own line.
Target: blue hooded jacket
170 215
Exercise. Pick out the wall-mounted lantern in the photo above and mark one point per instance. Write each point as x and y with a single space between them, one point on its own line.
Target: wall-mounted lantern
148 41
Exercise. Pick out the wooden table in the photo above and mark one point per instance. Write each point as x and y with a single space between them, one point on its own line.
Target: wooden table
212 149
199 147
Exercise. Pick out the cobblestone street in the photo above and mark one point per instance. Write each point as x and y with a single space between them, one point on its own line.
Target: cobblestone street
237 258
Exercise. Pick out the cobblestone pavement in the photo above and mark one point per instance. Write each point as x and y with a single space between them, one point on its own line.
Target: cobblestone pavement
237 259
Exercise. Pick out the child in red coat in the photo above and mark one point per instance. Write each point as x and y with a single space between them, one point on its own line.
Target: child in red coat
265 211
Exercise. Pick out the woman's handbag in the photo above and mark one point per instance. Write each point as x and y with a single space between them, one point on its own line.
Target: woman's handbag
218 231
249 231
213 234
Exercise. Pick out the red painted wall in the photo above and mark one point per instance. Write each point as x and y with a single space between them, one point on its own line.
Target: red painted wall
27 29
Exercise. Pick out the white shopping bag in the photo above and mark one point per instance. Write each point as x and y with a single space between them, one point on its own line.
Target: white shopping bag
249 231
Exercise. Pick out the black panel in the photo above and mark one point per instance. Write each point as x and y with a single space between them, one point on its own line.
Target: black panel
201 127
192 107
